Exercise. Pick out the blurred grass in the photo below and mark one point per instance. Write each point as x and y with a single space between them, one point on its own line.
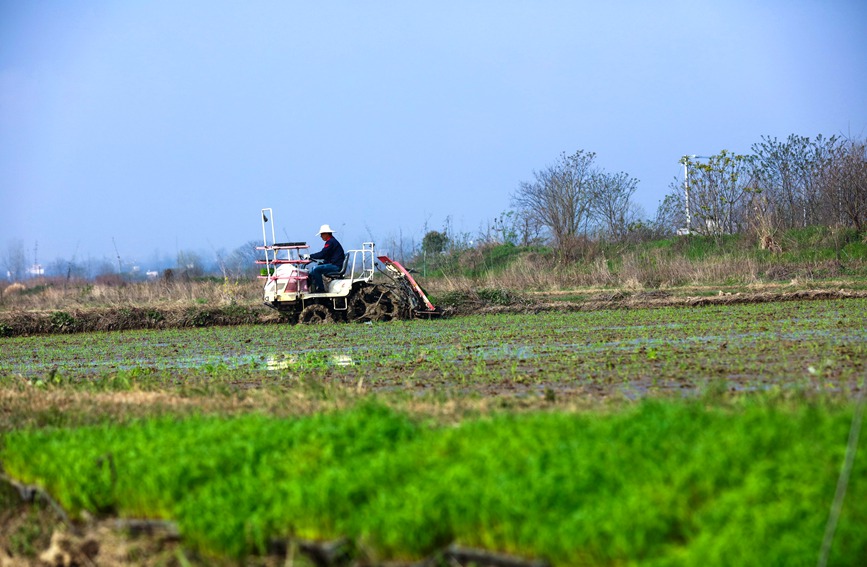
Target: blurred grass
661 483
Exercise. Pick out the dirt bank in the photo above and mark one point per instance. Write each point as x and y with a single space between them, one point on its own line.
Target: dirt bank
30 322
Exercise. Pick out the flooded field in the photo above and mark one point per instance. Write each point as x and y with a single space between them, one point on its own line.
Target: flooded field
614 354
408 438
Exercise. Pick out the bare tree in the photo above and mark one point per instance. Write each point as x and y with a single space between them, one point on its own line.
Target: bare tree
560 198
190 263
846 183
670 214
522 224
779 167
68 269
14 261
241 262
516 227
612 205
792 176
399 247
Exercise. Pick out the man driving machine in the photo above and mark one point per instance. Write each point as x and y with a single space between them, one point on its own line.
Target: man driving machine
330 259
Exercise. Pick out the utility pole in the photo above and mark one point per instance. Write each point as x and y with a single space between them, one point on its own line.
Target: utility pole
685 161
119 270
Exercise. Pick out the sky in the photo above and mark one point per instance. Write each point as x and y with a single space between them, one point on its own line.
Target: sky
143 128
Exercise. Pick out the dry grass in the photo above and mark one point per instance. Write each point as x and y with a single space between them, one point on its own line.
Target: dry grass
654 269
47 294
630 271
659 270
633 271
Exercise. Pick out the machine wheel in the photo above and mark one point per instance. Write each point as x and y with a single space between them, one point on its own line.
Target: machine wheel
357 309
315 314
388 308
374 303
290 317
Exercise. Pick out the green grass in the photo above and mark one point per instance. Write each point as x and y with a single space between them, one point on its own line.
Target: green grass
800 246
804 253
663 483
474 262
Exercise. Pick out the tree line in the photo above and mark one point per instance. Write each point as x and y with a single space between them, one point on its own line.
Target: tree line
782 184
779 185
793 183
18 264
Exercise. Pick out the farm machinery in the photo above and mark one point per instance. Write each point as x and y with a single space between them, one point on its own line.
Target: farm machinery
367 288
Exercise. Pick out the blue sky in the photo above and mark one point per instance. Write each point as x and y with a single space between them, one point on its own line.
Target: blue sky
166 125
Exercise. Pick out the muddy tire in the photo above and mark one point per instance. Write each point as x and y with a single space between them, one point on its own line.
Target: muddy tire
290 317
356 311
388 308
315 315
375 303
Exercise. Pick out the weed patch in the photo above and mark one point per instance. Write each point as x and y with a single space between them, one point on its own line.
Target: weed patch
61 321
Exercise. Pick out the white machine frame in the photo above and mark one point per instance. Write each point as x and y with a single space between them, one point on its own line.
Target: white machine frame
286 272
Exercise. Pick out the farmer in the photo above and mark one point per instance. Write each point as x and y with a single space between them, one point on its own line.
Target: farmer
330 257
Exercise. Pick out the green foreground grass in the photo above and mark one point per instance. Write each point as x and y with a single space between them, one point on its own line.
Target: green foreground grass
699 482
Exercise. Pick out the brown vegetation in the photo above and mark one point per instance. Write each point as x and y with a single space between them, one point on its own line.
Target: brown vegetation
58 293
672 272
520 288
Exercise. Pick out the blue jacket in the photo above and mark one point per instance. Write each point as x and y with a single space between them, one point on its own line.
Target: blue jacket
332 253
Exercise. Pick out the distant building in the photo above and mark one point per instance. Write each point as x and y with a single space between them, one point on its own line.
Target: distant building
36 270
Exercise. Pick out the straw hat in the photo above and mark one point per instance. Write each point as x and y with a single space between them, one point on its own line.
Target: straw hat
324 228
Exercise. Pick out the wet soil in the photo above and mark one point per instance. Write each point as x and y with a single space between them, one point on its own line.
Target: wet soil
31 322
33 532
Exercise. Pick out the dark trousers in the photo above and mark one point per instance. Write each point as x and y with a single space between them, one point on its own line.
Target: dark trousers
319 271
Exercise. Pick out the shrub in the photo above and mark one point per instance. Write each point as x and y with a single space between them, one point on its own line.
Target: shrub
61 321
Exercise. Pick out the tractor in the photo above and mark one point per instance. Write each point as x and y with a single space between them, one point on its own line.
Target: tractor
354 294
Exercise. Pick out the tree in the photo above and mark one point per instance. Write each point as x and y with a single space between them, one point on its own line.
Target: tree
399 247
104 269
14 261
718 191
515 227
671 212
434 242
67 269
845 188
612 205
560 198
241 262
791 177
190 263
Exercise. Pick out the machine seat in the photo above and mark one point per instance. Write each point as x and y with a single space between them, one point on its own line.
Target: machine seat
342 273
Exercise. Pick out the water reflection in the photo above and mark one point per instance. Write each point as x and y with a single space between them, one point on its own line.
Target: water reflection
307 360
